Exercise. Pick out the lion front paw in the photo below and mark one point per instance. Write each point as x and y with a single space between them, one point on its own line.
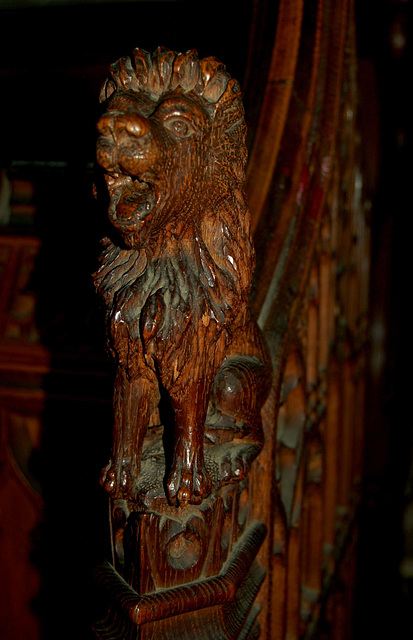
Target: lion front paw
116 480
188 484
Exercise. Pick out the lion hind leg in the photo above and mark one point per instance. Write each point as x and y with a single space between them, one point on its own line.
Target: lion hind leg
235 461
240 389
234 423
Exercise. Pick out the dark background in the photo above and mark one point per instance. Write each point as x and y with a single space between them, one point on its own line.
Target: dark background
384 603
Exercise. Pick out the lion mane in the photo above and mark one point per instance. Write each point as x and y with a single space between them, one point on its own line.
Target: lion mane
203 268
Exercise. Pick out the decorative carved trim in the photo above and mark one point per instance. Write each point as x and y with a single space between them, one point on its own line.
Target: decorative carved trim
239 575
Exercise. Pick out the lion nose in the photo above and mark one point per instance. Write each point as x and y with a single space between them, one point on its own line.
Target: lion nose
117 123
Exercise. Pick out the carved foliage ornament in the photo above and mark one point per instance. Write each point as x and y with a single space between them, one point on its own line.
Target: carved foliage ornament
175 278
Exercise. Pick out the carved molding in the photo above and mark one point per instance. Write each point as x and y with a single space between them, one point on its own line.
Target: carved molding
231 592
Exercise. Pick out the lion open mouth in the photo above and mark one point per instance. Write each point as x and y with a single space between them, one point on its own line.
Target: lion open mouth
132 200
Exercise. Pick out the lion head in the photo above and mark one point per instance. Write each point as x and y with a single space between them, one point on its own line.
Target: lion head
172 132
171 142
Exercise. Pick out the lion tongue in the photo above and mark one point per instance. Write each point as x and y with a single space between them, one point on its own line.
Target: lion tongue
134 203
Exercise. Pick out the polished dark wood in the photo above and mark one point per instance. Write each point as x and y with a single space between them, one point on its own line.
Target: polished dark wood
235 477
176 277
192 367
170 142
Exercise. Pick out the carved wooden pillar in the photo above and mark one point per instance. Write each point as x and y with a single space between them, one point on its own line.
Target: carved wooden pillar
214 534
192 368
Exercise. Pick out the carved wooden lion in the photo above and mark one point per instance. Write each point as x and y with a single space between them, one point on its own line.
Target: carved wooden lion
175 277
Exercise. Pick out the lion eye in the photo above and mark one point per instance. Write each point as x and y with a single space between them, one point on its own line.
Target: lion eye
180 127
